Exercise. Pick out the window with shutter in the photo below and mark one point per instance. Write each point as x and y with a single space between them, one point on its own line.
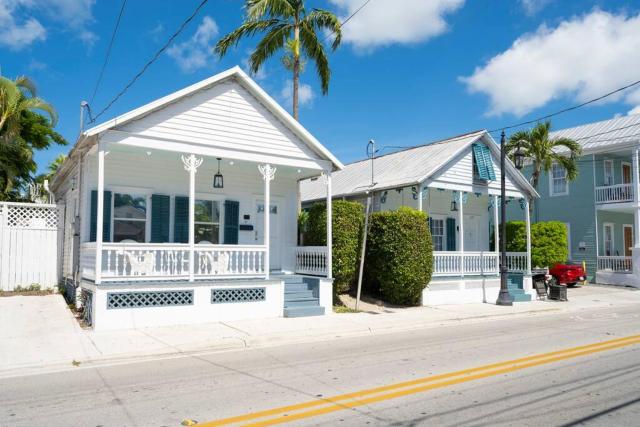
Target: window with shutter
231 219
160 208
483 163
181 220
106 212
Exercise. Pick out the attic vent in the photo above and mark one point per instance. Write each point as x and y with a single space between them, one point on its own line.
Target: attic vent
483 165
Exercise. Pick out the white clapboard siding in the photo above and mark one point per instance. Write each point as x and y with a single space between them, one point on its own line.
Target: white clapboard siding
28 245
224 116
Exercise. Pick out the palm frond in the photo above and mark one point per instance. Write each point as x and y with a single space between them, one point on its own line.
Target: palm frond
247 29
257 9
275 40
324 20
314 50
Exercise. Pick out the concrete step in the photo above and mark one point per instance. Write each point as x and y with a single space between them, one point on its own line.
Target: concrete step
296 287
303 311
293 295
302 302
293 279
521 297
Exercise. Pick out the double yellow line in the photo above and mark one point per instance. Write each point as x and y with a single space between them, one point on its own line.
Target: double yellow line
378 394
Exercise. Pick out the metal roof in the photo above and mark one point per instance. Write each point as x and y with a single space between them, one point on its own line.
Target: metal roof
604 135
401 168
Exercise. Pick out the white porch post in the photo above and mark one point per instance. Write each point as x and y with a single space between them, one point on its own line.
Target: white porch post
461 233
528 221
268 173
100 214
420 197
191 164
329 262
636 197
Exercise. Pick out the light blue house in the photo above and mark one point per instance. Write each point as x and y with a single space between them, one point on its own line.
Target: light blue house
601 207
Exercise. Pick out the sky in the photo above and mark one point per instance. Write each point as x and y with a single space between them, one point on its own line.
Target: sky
408 72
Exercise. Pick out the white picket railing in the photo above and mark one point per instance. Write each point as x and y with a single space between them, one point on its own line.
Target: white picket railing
159 261
311 260
229 260
451 263
614 193
620 264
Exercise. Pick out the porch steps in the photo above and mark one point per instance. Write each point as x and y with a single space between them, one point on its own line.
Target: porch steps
301 298
516 288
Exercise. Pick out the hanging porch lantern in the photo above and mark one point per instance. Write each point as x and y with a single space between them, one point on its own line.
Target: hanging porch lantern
454 206
518 156
218 179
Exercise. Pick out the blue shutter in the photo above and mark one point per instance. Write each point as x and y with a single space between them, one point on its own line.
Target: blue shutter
483 162
231 218
486 153
451 234
181 220
160 218
106 213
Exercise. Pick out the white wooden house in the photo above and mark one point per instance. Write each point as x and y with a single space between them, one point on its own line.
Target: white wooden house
457 183
152 240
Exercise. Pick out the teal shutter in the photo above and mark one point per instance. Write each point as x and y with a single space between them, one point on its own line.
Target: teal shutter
231 218
451 234
160 218
181 220
486 154
106 226
483 162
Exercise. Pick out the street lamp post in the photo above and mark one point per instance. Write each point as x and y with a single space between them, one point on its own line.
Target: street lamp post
504 298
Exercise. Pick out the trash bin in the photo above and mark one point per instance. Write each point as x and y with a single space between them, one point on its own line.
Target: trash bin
558 292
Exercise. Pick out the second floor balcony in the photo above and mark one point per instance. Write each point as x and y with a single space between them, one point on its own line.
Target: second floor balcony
619 193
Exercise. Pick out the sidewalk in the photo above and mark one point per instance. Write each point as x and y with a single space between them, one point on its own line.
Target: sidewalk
39 334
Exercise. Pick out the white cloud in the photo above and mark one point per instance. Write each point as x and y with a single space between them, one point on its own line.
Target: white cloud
196 52
385 22
305 94
531 7
635 110
580 59
20 28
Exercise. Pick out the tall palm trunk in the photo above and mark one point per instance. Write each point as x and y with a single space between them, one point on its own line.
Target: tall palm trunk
296 67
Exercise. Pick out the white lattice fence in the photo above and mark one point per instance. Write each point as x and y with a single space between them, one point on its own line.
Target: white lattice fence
28 245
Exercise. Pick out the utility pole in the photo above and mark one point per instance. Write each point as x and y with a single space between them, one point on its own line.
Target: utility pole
503 297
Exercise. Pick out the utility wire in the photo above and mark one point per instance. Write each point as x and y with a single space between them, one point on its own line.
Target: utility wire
152 60
108 54
348 18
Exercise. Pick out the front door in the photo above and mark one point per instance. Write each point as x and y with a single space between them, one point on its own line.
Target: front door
626 173
471 233
274 232
628 239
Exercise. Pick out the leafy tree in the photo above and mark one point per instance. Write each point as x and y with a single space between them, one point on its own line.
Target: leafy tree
289 27
543 151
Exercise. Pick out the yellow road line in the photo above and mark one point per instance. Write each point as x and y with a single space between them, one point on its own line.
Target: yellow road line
350 400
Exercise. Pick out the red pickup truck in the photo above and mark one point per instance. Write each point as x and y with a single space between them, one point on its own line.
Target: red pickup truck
568 274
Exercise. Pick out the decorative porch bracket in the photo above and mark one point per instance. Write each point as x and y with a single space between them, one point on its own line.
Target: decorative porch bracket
268 173
191 164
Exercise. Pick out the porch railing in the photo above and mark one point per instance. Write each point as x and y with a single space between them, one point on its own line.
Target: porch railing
614 193
476 263
311 260
157 261
618 264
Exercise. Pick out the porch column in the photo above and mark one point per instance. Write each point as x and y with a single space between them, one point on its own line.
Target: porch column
461 232
496 225
191 164
329 262
420 197
528 221
636 198
268 173
100 214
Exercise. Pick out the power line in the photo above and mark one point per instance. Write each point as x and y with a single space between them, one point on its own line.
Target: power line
152 60
348 18
108 54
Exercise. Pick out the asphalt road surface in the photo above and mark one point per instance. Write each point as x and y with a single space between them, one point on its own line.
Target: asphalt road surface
452 375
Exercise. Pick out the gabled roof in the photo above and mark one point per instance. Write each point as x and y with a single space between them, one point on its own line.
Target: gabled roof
402 168
603 135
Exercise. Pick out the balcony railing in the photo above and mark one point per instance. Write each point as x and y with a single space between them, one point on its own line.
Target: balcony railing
618 193
311 260
476 263
157 261
618 264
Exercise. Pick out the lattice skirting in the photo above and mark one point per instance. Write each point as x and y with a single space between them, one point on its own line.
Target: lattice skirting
228 295
141 299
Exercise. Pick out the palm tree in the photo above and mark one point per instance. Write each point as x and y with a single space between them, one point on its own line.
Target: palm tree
288 27
16 97
543 152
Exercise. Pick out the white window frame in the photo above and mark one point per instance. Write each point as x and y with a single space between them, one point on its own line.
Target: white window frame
444 230
622 165
552 193
604 238
220 200
146 192
608 175
624 250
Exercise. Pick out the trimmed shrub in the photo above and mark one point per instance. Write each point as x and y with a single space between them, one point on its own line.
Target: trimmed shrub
548 242
399 258
347 219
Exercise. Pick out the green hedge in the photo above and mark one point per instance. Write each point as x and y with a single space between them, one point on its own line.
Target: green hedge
399 258
548 242
347 221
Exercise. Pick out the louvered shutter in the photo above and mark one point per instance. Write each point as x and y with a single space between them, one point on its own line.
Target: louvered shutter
451 234
106 217
160 206
231 218
181 220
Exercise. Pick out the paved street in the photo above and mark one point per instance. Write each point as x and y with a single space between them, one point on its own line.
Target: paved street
599 388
